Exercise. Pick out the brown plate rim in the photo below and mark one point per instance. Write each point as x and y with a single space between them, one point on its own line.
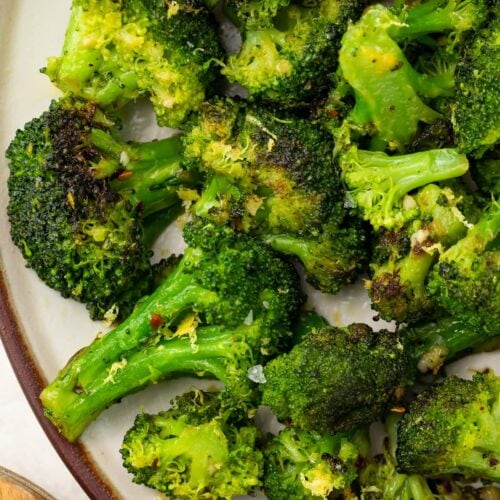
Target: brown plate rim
32 381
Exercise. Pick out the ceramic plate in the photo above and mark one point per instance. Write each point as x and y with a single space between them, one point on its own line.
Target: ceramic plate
41 330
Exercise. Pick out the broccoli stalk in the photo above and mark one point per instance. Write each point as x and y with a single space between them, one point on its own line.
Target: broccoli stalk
309 465
196 449
378 183
465 280
453 428
242 294
85 207
337 379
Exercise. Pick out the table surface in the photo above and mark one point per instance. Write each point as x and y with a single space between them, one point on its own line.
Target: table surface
24 448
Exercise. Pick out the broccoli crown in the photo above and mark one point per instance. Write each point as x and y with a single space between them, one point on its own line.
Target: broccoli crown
391 96
453 428
79 215
475 115
301 465
486 174
227 307
194 450
289 48
274 176
336 378
378 183
466 279
403 258
116 51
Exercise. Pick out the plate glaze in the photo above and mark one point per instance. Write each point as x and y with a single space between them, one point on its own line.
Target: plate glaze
40 330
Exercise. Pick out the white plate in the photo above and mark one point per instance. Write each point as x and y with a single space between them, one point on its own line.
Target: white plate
54 328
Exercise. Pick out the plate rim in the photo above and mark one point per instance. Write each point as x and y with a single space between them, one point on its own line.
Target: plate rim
31 379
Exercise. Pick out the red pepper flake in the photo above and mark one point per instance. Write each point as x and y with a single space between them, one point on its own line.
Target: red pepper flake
398 409
156 321
124 175
332 113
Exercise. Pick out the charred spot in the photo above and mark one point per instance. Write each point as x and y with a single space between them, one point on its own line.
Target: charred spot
387 286
154 463
493 462
397 66
334 463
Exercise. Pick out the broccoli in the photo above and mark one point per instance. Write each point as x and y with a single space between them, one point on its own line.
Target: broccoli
196 449
486 175
227 306
403 258
116 51
289 48
380 480
337 379
301 465
391 96
85 207
475 111
273 176
466 279
378 183
453 428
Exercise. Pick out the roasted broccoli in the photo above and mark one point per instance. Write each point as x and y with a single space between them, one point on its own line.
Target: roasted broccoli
475 117
85 207
227 307
196 450
337 379
289 48
402 259
391 97
116 51
273 176
301 465
466 279
453 428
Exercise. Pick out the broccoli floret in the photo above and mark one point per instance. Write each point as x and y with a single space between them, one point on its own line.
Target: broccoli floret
289 48
453 428
466 279
116 51
273 176
197 449
85 207
486 174
476 121
391 96
380 480
227 307
402 259
302 465
337 379
378 183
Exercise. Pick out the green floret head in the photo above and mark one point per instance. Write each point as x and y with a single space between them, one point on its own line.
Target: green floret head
475 115
194 450
301 465
84 206
286 58
115 52
378 183
453 429
336 378
402 259
486 174
466 279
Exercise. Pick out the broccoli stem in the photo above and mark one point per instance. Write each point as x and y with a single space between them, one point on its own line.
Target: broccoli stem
292 245
218 189
72 408
436 342
148 174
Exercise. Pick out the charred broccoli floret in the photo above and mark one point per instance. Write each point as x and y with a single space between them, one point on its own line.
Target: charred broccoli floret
197 449
273 176
116 51
227 307
391 97
289 48
466 279
301 465
453 428
475 117
85 207
337 379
